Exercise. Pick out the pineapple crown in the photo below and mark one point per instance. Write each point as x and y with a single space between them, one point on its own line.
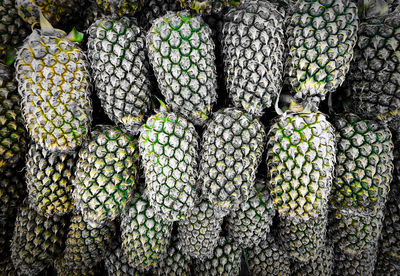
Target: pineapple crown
48 29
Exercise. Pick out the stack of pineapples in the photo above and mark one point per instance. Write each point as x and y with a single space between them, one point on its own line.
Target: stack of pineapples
199 137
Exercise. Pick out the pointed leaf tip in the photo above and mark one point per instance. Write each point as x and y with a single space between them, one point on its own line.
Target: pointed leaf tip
45 25
75 36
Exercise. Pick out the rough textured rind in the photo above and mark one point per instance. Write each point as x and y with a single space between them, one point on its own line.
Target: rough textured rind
154 9
121 7
105 174
168 145
253 47
116 51
54 84
322 265
145 236
205 7
321 37
198 234
117 264
232 146
12 191
49 181
175 263
362 264
181 52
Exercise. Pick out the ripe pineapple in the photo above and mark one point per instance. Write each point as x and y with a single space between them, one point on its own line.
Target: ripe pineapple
363 175
12 132
181 52
117 59
145 236
121 7
12 192
375 69
48 179
117 264
250 225
232 145
268 258
225 260
53 82
321 37
168 145
105 174
253 46
175 263
154 9
208 6
85 245
322 265
198 234
37 240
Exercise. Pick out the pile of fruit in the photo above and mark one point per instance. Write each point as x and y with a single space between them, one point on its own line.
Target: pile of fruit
199 137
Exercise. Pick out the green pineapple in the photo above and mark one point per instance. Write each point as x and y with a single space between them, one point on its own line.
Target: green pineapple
168 145
268 258
198 234
181 52
208 6
53 82
232 145
225 260
250 225
105 174
48 179
85 246
145 236
321 37
363 175
12 192
120 70
253 47
175 263
321 265
121 7
12 132
36 241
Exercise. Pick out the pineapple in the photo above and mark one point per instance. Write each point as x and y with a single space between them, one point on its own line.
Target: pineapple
268 258
168 145
12 27
175 263
117 264
208 6
145 236
121 7
6 234
36 240
105 174
85 246
225 260
322 265
53 82
385 266
181 52
117 59
12 192
154 9
250 225
232 145
12 132
363 175
198 234
48 179
253 47
321 37
362 264
63 270
374 81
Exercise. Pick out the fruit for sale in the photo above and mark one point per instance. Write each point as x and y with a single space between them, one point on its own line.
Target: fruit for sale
253 47
208 6
53 82
168 145
348 265
175 263
12 191
154 9
120 71
181 52
121 7
105 174
117 264
321 265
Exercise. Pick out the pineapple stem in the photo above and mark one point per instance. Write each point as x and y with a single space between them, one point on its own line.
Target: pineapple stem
75 36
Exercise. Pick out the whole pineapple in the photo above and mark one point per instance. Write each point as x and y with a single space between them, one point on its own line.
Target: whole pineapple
145 236
374 80
253 47
168 145
232 145
105 174
360 189
121 7
198 234
225 260
37 240
117 58
250 225
53 82
85 246
321 37
175 263
48 179
181 52
268 258
12 132
321 265
208 6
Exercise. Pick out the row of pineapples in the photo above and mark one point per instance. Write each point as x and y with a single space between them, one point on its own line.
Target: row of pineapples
199 201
